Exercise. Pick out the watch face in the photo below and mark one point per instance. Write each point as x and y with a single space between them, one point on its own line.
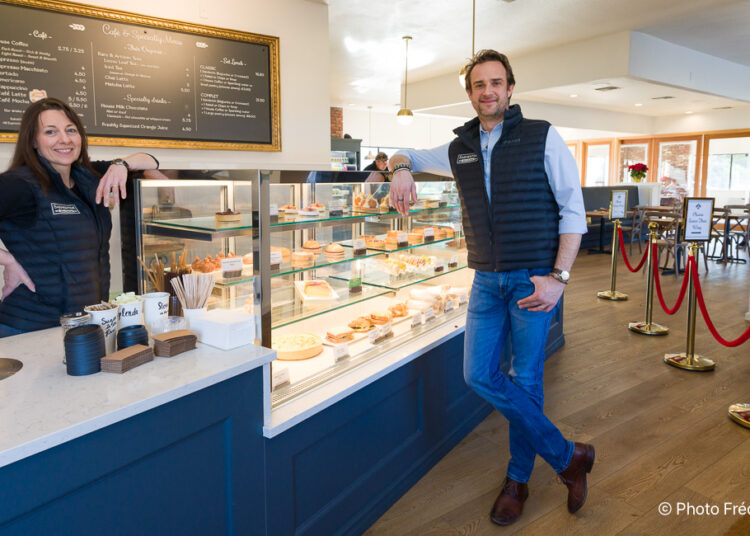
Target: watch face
565 274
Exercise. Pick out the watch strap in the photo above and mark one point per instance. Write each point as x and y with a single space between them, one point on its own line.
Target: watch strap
399 167
558 277
121 162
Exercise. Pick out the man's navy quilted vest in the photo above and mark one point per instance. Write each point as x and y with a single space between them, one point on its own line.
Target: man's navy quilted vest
520 228
65 252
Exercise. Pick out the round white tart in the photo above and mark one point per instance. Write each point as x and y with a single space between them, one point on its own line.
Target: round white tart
297 346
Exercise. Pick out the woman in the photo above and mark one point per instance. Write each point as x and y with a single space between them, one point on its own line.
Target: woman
54 219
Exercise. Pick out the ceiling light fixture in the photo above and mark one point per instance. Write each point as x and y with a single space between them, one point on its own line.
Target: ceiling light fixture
462 72
573 95
369 156
638 104
405 115
689 112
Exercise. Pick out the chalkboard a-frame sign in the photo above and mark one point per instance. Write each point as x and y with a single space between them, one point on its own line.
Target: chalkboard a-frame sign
140 81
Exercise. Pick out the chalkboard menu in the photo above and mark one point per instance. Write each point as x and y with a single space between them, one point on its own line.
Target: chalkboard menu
140 81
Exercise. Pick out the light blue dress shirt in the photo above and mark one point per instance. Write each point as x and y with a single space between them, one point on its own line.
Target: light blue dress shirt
561 168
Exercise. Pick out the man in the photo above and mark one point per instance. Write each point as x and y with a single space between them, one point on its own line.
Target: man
379 164
378 169
523 218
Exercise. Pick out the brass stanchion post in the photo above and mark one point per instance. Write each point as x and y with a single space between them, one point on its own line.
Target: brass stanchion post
648 327
612 293
689 360
740 413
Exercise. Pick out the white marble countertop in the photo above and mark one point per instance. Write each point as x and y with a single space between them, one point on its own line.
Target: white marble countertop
42 407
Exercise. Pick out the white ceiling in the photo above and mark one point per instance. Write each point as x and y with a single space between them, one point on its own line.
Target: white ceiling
632 92
367 52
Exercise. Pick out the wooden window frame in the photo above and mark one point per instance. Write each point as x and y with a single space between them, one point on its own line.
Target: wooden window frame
698 138
634 141
585 144
707 137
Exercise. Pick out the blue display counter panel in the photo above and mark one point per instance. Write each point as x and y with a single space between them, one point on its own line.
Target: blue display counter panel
193 466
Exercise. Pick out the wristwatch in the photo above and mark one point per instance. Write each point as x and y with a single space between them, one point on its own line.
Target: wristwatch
563 276
121 162
399 167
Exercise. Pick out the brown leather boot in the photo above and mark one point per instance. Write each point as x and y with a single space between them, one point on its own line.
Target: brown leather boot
509 504
575 475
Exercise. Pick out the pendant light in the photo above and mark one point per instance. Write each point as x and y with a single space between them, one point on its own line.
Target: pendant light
369 156
462 73
405 115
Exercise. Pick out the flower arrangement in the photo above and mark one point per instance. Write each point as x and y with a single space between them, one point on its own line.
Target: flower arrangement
638 171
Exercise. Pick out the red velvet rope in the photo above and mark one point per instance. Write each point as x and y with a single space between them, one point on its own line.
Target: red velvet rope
683 288
625 255
699 294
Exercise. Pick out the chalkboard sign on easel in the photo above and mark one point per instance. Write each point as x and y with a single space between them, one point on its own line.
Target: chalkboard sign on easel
140 81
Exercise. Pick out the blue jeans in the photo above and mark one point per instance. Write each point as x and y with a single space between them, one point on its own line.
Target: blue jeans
513 386
7 331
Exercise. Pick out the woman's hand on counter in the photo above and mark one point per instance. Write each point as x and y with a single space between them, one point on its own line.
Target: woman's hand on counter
13 274
112 183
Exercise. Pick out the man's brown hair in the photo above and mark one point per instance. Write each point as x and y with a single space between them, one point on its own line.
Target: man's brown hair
484 56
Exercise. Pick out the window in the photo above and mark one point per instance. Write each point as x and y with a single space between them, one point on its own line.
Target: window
632 153
597 165
728 170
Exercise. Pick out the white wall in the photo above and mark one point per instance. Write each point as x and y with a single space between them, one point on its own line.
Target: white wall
302 28
699 122
429 130
426 130
663 62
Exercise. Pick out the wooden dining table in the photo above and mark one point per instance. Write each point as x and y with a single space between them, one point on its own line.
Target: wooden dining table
603 215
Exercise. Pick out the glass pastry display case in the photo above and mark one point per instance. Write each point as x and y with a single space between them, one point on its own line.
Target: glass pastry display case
333 276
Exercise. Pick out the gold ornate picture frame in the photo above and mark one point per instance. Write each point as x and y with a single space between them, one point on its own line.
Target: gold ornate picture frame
168 25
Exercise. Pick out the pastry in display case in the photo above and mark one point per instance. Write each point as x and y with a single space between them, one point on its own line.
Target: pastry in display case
347 279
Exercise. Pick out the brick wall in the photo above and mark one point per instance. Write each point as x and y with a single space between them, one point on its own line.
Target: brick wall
337 122
678 155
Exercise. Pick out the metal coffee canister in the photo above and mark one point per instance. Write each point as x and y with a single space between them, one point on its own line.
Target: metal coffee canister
73 320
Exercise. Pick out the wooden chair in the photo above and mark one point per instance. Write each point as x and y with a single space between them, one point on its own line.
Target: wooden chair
667 238
739 232
635 227
717 234
669 241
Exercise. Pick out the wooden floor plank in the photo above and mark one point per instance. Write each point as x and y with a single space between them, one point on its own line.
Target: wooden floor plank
661 434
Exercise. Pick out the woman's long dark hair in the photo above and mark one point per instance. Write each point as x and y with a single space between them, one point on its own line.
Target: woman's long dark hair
26 155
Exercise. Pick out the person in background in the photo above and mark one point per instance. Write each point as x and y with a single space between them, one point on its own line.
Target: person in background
55 221
523 218
379 169
672 193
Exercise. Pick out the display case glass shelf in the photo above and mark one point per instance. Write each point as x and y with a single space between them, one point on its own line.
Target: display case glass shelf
288 307
208 223
211 229
384 249
321 261
233 281
377 277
